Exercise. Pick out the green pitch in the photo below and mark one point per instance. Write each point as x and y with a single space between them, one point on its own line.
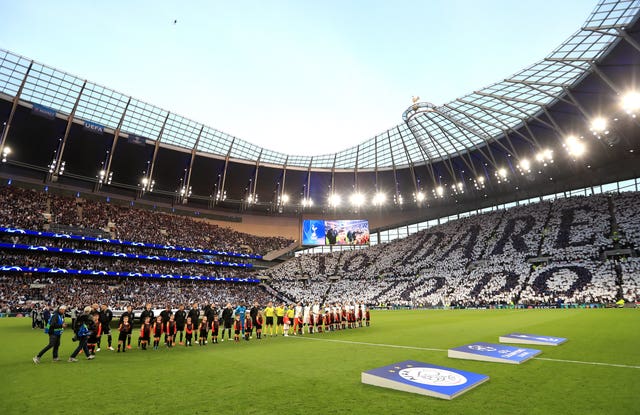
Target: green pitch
322 376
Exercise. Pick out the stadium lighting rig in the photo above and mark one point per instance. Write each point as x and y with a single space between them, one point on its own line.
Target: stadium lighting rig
501 174
545 157
458 188
599 125
379 199
357 199
252 198
524 166
574 146
419 197
630 102
221 195
334 200
5 152
307 202
103 178
147 185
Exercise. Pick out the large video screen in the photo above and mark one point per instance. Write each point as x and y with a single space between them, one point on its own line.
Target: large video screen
335 232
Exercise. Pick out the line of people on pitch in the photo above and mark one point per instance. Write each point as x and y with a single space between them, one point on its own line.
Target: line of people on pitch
95 321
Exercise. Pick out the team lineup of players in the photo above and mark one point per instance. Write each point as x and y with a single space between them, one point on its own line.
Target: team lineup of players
186 327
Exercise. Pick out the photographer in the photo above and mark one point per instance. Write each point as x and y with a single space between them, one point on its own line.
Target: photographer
83 328
54 328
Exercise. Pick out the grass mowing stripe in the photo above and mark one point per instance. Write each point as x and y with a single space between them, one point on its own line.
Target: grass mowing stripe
397 346
587 363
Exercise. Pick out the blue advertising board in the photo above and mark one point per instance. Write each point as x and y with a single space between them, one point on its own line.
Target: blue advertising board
424 378
523 338
489 352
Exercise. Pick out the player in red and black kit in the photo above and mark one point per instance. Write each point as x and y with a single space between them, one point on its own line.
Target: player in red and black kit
237 328
129 314
204 331
95 335
125 331
259 320
248 329
367 316
170 331
189 328
145 332
215 329
157 332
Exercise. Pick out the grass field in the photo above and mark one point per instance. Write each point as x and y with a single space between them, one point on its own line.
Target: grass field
320 374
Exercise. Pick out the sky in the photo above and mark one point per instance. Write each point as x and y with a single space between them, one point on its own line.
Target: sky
299 77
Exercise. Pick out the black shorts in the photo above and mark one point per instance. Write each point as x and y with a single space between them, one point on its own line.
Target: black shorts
179 327
122 336
105 329
280 320
269 321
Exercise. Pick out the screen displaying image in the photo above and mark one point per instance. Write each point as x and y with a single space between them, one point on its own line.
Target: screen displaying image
313 232
335 232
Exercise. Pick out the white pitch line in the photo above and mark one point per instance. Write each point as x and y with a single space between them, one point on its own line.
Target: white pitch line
397 346
587 363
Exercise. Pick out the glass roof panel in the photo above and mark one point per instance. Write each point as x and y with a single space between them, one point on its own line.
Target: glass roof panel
450 129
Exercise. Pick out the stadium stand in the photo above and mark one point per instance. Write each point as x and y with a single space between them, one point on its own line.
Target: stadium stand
547 253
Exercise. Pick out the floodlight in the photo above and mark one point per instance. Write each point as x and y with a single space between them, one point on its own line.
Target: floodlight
379 199
631 102
598 125
357 199
574 146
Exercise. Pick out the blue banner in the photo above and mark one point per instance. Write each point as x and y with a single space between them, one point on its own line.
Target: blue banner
19 231
43 111
424 378
93 127
53 249
136 139
488 352
94 273
536 339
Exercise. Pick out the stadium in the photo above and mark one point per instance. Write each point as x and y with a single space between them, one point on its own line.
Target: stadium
514 208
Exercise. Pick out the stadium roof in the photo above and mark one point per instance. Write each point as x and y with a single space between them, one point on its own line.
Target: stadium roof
525 136
428 134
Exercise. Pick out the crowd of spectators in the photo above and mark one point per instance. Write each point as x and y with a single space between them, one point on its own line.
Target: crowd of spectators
627 212
481 260
30 209
22 292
